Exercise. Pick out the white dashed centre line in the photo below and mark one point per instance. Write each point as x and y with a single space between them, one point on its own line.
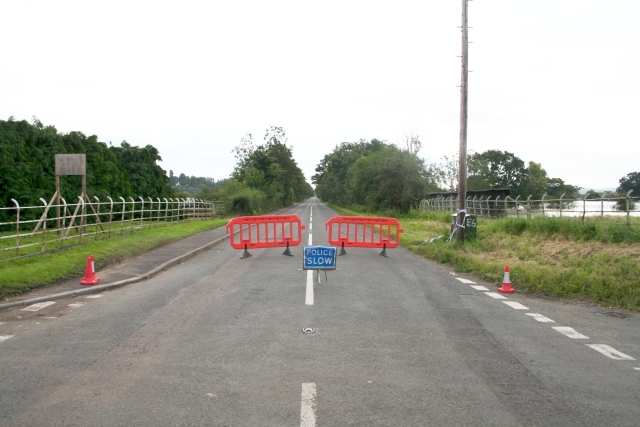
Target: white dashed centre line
479 288
495 295
310 239
38 306
540 318
516 305
467 281
5 337
94 296
308 299
610 352
310 226
308 405
570 332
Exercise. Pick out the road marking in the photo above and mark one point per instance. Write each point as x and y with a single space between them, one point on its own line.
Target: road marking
310 239
540 318
5 337
495 295
38 306
570 332
610 352
308 405
308 300
76 304
516 305
465 280
479 288
310 226
94 296
637 369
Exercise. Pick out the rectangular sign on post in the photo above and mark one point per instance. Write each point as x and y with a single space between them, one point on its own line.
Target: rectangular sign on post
319 258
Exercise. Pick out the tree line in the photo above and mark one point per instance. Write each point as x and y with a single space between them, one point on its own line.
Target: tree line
27 165
377 176
266 177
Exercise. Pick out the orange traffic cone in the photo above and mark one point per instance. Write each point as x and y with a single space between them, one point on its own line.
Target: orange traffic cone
90 276
506 283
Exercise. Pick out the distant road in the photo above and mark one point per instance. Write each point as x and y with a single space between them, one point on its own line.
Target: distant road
399 341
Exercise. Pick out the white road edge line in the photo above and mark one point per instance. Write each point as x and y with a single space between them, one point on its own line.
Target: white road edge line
466 281
516 305
540 318
308 300
610 352
308 405
479 288
570 332
38 306
494 295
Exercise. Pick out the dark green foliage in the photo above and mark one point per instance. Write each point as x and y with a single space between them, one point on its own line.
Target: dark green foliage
373 174
27 166
497 169
631 182
266 176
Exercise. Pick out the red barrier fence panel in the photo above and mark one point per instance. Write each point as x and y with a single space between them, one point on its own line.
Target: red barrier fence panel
267 231
364 232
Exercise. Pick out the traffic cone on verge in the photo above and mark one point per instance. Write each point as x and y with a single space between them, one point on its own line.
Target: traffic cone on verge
90 276
506 283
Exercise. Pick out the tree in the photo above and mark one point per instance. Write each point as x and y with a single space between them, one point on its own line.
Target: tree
630 182
412 141
557 188
538 182
498 169
445 173
270 169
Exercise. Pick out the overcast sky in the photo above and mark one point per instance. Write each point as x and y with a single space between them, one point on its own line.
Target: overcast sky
553 81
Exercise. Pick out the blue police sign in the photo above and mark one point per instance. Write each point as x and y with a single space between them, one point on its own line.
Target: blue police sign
319 258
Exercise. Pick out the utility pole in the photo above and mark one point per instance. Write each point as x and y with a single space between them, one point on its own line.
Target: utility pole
462 159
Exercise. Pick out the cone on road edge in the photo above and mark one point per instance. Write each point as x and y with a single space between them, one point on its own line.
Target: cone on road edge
90 275
506 283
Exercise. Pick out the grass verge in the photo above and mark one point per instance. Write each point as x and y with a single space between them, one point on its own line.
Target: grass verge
560 257
18 276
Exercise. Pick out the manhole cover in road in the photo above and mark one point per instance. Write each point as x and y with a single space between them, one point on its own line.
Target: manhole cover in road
308 331
617 314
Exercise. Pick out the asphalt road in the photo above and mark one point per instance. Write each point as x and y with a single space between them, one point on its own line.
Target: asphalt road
399 341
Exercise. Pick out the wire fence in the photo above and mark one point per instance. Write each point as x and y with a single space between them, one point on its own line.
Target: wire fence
619 209
32 230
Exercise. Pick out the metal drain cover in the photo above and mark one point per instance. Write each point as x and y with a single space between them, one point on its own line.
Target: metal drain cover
616 314
308 330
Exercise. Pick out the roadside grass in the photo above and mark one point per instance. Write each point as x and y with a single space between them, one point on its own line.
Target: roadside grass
561 257
18 276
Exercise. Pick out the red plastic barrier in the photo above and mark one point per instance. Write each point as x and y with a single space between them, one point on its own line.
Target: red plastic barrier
268 231
364 232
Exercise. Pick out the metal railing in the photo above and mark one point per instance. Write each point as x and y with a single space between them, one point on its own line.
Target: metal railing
31 230
612 208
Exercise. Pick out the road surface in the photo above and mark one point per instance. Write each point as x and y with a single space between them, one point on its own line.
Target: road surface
399 341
